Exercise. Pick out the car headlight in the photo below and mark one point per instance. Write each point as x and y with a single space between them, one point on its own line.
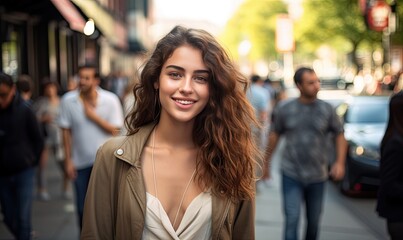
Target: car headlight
360 151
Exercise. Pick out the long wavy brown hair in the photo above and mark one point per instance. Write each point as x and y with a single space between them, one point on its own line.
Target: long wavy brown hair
222 131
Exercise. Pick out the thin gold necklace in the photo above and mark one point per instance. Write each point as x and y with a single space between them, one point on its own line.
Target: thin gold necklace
155 180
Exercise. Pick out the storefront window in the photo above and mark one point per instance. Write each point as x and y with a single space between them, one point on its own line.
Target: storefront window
10 55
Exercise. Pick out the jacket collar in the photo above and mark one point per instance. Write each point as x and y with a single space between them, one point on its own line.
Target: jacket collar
132 147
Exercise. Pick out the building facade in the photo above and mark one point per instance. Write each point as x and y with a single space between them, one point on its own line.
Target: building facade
51 38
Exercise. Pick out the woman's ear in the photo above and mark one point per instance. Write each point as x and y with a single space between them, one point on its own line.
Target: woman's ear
156 85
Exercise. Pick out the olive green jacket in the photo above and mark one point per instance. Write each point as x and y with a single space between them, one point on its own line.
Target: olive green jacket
115 204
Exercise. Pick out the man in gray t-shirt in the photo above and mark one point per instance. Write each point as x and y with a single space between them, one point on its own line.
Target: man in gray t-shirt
306 123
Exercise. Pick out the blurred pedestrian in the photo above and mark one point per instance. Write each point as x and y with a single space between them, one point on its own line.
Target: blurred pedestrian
268 85
119 84
390 194
21 144
259 97
72 83
305 122
47 111
25 87
189 149
88 117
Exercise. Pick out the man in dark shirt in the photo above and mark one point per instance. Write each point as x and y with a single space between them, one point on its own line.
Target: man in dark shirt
21 144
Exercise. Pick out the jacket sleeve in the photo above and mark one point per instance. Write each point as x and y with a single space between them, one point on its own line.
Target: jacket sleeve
34 134
244 224
98 207
392 170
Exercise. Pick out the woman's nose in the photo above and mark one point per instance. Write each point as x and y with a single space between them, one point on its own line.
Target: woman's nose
186 86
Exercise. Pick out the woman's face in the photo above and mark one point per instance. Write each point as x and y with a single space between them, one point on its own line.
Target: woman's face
183 85
50 90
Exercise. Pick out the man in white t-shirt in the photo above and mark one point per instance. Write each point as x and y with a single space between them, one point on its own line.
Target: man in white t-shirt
88 117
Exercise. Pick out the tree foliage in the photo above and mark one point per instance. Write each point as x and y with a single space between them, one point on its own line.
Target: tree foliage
337 23
255 21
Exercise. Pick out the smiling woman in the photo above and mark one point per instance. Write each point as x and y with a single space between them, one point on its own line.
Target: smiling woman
186 168
183 85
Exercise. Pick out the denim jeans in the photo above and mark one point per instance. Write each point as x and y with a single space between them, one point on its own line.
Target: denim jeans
16 196
294 194
81 184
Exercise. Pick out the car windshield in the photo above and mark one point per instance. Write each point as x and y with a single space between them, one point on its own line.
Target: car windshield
370 112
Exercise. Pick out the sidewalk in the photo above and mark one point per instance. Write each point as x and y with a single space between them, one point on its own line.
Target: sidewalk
56 219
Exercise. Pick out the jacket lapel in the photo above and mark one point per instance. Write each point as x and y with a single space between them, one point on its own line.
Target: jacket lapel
220 208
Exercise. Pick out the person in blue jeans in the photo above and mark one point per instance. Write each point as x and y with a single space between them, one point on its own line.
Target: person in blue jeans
305 123
21 144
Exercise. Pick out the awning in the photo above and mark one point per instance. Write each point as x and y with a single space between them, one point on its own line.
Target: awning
112 29
71 14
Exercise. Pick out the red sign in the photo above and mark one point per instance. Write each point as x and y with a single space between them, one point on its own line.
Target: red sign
378 16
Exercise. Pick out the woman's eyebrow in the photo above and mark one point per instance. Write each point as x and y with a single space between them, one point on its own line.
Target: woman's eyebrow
175 67
182 69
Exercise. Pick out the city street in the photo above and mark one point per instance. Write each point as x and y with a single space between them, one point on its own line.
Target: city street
344 218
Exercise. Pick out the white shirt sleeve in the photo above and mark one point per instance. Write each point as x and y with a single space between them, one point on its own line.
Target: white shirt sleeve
116 112
64 119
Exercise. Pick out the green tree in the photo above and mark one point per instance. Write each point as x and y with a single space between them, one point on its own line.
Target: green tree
254 21
335 22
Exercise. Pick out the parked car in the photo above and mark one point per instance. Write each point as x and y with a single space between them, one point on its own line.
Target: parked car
335 83
365 119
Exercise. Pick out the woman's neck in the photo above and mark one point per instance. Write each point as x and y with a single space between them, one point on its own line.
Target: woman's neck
178 135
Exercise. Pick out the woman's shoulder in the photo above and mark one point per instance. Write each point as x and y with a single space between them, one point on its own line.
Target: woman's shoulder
127 148
113 143
107 150
108 153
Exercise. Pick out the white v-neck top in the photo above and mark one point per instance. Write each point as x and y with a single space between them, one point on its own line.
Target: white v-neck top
195 224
